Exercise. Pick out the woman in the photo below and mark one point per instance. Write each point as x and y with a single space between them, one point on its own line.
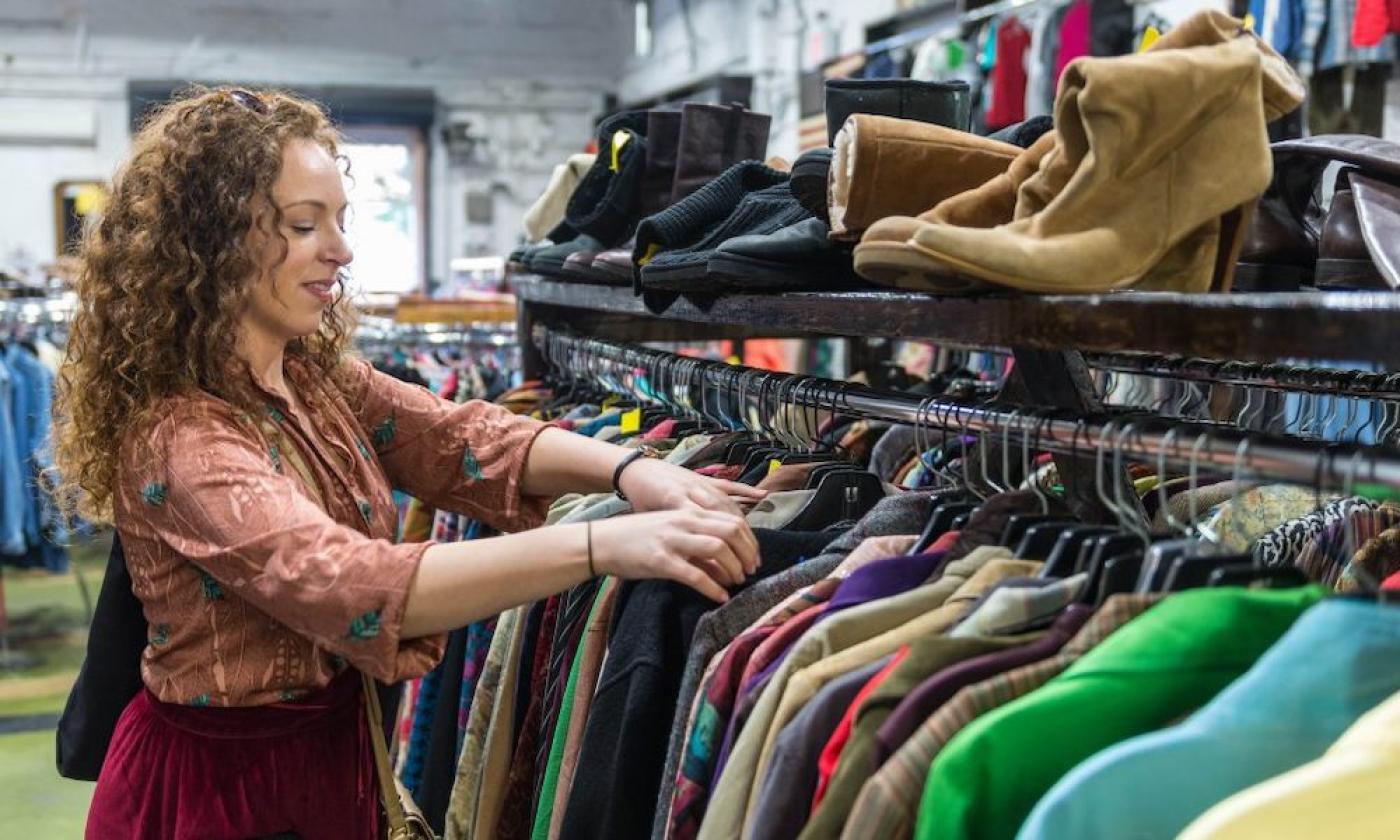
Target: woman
209 410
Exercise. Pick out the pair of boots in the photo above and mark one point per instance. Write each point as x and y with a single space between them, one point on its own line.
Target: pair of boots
677 152
1146 182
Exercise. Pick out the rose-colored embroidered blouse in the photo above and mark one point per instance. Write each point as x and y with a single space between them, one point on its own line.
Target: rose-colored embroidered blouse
266 562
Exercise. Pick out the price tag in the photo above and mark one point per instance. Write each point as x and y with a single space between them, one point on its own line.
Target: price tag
631 421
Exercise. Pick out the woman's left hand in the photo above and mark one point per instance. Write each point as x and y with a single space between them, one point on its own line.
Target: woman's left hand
651 484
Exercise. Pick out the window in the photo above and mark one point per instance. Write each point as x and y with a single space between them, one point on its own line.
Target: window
387 192
641 20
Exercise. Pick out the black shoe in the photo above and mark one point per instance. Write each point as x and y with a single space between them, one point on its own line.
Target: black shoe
809 181
550 261
765 211
797 257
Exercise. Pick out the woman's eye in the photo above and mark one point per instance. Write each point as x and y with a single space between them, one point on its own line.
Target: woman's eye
304 228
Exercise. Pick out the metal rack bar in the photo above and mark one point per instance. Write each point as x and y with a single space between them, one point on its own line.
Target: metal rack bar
1316 380
1141 437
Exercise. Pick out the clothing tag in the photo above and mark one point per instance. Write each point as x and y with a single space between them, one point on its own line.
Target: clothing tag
1149 37
631 421
1249 22
652 250
773 464
619 140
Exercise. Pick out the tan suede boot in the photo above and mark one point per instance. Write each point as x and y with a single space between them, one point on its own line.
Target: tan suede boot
1153 150
884 257
883 166
1281 89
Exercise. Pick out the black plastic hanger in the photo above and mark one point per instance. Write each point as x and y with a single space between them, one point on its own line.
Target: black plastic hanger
1020 524
1248 574
840 497
1119 575
1040 540
1063 557
940 522
1097 549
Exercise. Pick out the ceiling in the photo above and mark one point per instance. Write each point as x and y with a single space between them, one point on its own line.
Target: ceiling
581 41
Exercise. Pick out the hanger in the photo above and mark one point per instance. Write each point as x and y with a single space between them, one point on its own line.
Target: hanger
944 514
1018 524
1040 540
1131 541
1193 569
1064 557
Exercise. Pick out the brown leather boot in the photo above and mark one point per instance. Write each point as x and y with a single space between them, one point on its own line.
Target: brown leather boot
883 166
712 139
1153 150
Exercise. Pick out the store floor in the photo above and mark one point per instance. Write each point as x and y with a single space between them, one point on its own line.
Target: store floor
48 630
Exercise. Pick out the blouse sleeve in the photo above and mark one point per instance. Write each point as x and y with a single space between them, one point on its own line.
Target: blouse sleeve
467 458
217 500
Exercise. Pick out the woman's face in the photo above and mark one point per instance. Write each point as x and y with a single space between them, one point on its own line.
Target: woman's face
290 296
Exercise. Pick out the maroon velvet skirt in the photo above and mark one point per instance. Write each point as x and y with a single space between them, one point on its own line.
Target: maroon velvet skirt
304 767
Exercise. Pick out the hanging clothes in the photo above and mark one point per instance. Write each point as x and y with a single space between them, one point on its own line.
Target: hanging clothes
1008 80
1073 36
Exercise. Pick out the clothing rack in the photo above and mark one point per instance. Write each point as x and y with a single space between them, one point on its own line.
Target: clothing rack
992 10
18 316
381 331
691 385
1315 380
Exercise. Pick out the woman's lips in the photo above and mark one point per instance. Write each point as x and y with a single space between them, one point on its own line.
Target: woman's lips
323 290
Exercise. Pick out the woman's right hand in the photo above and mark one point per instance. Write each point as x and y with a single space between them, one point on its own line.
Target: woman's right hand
704 549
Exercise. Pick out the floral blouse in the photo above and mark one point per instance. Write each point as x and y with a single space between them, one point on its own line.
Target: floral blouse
266 562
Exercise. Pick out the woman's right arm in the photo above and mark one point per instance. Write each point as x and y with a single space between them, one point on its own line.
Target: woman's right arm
458 583
214 495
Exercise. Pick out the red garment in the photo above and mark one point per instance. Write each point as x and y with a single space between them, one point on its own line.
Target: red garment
1392 582
831 753
661 430
177 772
773 647
1074 36
727 473
943 543
1372 22
1009 75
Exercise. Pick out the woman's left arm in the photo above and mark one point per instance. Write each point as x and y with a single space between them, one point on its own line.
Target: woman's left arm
563 462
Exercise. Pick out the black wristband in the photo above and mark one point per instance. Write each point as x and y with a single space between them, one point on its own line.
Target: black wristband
627 461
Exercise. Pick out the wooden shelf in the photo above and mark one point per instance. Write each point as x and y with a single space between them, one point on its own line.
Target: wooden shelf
498 308
1261 327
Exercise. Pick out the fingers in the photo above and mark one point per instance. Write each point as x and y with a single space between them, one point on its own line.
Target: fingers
691 575
739 489
707 498
716 553
735 532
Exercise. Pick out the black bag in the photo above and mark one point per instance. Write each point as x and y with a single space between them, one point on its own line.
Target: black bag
109 677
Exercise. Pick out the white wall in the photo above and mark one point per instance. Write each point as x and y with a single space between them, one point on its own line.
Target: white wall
528 125
772 40
29 170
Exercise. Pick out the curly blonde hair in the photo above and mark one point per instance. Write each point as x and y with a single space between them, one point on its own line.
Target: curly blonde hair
166 274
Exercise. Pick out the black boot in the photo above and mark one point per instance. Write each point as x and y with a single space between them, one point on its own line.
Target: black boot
605 204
